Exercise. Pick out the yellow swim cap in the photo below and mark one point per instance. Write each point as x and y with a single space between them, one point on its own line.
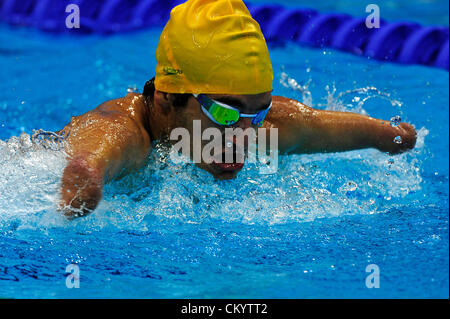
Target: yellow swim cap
215 47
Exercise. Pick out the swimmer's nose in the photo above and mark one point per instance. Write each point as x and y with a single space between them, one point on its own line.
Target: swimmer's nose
244 123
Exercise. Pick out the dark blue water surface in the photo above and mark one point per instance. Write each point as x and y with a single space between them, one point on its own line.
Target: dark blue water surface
171 231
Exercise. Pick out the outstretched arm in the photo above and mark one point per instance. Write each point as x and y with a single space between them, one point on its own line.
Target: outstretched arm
302 129
101 144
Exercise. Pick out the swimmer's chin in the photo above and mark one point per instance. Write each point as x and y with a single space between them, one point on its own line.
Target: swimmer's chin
226 175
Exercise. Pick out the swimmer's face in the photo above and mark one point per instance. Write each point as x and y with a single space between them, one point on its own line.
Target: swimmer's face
248 104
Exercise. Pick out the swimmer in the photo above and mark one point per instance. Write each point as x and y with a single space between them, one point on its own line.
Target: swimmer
213 65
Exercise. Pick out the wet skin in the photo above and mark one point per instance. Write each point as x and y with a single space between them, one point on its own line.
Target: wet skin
115 138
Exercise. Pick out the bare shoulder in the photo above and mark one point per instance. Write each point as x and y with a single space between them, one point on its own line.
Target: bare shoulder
128 109
122 119
285 110
132 105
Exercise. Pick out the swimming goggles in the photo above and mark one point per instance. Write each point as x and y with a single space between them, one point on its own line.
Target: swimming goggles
223 114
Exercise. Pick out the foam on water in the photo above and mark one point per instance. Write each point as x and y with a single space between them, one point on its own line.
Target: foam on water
30 174
305 187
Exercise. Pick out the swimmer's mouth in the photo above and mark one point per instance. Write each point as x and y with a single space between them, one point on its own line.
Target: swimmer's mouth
229 167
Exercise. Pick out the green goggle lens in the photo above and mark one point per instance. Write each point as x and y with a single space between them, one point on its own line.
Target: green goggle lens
223 115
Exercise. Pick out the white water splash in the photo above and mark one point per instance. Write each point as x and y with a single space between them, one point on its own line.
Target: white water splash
291 83
335 101
30 174
305 188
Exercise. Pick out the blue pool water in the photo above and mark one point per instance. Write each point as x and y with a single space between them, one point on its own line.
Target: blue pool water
171 231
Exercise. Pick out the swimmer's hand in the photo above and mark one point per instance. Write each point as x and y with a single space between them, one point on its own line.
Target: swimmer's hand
81 188
396 140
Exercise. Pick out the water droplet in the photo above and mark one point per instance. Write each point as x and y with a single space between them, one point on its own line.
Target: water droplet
349 186
132 89
398 140
395 121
